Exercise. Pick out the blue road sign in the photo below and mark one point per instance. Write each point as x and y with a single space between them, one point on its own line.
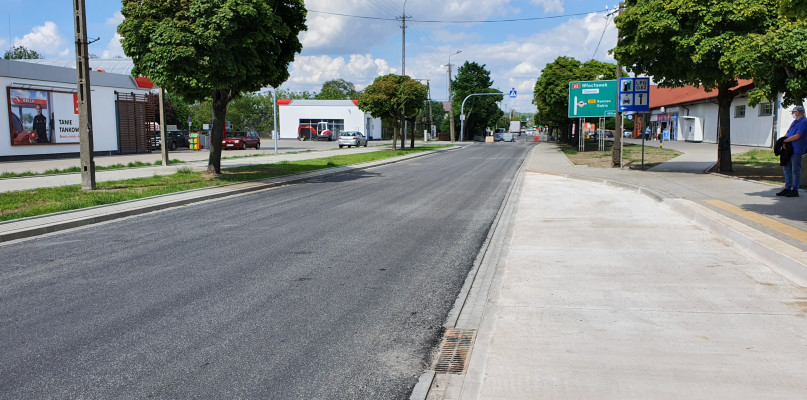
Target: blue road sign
634 94
513 93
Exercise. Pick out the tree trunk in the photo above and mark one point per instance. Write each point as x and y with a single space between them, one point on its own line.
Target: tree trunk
724 99
220 99
412 139
394 135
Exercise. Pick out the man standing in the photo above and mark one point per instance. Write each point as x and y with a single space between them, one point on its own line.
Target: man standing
797 137
40 126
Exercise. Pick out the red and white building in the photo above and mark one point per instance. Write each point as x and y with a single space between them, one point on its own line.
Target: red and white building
341 115
691 114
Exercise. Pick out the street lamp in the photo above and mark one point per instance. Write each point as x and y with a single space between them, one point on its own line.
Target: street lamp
451 97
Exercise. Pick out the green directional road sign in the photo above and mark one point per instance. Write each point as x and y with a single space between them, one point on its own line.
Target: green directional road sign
592 99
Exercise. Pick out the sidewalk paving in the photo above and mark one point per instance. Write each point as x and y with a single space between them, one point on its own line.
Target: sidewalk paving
692 286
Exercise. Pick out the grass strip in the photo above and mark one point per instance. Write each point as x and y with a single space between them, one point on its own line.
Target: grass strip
28 203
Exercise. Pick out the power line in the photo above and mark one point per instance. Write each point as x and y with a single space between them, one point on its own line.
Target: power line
460 22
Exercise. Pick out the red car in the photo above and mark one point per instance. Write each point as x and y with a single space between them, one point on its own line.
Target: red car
241 140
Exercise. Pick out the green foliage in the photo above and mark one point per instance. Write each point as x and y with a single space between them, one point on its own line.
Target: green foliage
338 89
480 111
251 112
551 92
212 50
390 96
692 42
793 8
776 61
21 53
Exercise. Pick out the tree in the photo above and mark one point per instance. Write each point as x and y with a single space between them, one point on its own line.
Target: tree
392 98
480 111
775 60
551 92
688 42
251 112
338 89
216 50
21 53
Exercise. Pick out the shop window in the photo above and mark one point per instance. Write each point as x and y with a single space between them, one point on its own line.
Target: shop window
765 109
739 111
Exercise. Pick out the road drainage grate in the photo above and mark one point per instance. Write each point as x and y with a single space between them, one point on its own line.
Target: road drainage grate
455 351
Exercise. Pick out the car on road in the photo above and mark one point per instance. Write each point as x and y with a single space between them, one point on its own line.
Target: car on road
497 134
241 140
351 138
508 137
176 138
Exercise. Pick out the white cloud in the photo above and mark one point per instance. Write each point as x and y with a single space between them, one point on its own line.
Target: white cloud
46 40
115 19
310 72
113 48
550 5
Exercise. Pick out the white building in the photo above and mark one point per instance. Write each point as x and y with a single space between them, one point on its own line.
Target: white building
341 115
691 114
31 88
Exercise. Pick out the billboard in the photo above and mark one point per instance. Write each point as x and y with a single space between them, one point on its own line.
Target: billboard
41 117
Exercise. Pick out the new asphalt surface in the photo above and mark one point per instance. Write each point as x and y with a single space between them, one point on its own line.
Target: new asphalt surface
681 284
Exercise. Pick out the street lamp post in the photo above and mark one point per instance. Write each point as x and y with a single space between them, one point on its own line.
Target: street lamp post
462 109
451 97
275 134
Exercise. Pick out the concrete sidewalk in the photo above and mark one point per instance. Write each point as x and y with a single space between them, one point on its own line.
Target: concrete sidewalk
614 284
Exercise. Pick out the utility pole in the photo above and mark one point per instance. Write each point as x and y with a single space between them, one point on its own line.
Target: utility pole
451 98
86 147
403 73
163 133
616 159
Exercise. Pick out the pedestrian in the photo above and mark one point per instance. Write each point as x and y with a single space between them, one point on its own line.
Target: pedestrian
797 137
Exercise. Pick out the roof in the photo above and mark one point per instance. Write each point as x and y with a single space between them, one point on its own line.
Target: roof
688 94
121 66
63 75
319 103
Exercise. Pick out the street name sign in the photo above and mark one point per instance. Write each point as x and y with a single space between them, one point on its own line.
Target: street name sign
592 99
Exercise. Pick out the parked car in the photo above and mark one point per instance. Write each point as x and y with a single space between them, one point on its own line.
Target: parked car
173 138
351 138
241 140
627 134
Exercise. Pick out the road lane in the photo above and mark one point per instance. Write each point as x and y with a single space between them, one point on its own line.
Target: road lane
335 288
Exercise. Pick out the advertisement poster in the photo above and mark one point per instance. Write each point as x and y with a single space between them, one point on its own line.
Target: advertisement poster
42 117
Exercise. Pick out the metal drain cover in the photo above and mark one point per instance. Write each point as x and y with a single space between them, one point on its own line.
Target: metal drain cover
455 351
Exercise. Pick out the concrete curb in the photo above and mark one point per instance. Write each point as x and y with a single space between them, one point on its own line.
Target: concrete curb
471 304
43 224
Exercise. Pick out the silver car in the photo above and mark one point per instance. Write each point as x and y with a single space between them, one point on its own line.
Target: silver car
351 138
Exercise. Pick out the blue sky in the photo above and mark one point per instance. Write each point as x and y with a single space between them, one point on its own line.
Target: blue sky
360 49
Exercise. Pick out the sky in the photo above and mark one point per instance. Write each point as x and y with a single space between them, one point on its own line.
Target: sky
359 40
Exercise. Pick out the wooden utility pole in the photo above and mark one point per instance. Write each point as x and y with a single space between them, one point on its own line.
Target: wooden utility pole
84 98
163 133
616 160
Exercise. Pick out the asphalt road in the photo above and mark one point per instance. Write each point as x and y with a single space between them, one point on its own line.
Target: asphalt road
335 288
